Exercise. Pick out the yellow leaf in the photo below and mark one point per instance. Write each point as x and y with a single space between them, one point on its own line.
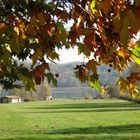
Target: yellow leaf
123 84
16 29
135 94
123 54
23 36
136 59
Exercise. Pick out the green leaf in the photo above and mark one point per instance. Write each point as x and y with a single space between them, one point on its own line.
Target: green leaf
92 6
136 59
28 82
97 85
82 49
27 1
51 78
136 52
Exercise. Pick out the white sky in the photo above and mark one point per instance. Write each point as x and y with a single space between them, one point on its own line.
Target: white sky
70 55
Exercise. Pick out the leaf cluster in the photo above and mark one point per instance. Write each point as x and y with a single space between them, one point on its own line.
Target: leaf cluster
33 29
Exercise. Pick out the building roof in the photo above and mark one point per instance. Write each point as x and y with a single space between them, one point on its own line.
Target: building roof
11 97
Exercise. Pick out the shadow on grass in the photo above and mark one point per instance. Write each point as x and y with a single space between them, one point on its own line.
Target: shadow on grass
81 138
90 105
85 110
88 133
99 130
87 107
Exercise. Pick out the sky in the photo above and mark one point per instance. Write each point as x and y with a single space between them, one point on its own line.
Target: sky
70 55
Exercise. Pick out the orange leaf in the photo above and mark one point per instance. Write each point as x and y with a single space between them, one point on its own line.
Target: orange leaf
105 6
116 25
91 65
42 17
62 14
89 40
134 77
2 26
123 53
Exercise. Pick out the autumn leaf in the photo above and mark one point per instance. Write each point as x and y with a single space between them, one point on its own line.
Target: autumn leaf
116 25
124 34
105 6
42 17
123 53
123 84
91 65
135 94
89 40
103 30
132 22
61 14
37 55
137 15
137 2
38 72
134 77
2 26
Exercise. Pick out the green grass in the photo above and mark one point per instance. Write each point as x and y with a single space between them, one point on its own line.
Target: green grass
70 120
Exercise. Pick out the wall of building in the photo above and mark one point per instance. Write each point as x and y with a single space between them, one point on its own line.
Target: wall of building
15 100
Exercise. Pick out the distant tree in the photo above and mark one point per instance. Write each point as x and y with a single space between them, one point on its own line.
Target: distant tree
43 91
19 92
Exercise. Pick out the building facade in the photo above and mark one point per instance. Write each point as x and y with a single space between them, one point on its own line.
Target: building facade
10 99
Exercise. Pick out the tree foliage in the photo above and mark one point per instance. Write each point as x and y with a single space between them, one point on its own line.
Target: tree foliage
104 29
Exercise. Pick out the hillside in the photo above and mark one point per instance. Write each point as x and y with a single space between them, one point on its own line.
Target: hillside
67 77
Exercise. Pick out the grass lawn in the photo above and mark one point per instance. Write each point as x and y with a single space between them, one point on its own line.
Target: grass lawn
70 120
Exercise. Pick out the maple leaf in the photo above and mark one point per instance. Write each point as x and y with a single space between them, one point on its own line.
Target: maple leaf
36 29
91 65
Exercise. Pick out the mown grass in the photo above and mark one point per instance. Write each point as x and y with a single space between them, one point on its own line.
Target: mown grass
70 120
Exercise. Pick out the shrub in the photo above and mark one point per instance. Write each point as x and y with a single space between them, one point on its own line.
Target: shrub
28 100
